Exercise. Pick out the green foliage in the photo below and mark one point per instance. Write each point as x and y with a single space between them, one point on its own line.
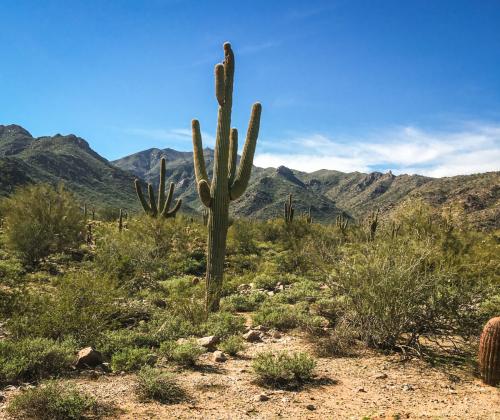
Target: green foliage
275 315
232 345
223 324
185 353
243 303
283 369
242 238
82 306
34 359
156 385
131 359
113 341
52 401
42 220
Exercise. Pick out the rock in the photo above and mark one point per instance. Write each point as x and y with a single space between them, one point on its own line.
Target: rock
88 357
261 328
209 342
361 390
252 336
408 387
381 376
270 293
2 397
219 356
261 397
311 407
275 334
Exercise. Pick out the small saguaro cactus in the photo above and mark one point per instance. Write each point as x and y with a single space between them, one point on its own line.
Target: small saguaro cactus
308 216
489 352
227 183
395 229
288 209
120 221
373 224
342 222
162 207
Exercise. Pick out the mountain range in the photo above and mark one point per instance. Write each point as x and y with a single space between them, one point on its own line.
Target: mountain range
25 159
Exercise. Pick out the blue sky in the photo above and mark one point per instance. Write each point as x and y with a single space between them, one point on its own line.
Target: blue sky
411 86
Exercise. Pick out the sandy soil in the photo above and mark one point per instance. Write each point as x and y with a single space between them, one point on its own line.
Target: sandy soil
370 386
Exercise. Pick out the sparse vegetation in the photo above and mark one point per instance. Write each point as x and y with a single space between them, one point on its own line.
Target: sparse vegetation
155 384
131 359
185 353
232 345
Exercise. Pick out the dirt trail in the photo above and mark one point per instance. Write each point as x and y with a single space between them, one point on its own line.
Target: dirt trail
369 386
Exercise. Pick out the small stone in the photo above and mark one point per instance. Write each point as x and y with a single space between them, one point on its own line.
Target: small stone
276 334
252 336
261 397
381 376
88 357
209 342
361 390
219 357
261 328
408 387
311 407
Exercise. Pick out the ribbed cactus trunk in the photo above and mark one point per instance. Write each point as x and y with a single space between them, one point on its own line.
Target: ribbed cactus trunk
226 185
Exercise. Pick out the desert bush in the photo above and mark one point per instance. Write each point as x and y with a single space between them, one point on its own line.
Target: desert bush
41 220
52 401
223 324
81 305
112 342
243 303
340 341
232 345
304 290
34 359
275 315
241 238
400 290
185 353
131 359
283 369
154 384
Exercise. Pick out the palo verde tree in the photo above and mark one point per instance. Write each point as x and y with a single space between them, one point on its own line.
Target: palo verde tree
227 183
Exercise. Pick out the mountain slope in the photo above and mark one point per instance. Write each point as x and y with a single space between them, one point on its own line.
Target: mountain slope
25 159
328 192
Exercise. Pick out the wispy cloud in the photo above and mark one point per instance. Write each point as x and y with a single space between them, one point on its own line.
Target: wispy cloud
168 135
475 147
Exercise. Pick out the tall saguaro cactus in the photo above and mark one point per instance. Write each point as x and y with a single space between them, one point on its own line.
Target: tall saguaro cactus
162 207
227 183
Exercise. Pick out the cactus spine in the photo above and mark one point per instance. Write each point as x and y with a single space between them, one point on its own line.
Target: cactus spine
162 207
288 209
227 184
489 352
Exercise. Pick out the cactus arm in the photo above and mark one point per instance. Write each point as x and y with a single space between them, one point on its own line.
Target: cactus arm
228 76
199 165
161 188
170 196
240 183
219 84
152 202
140 195
173 212
233 155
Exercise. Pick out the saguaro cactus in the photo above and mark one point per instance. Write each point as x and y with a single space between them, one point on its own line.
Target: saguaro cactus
288 209
227 184
373 224
162 207
308 216
489 352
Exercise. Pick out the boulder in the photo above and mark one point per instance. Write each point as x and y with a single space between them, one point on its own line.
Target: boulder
209 342
219 357
88 357
252 336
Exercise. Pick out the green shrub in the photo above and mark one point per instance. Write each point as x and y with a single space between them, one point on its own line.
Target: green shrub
243 303
153 384
223 324
275 315
185 353
232 345
131 358
338 342
82 306
166 326
283 369
42 220
305 290
113 341
34 359
52 401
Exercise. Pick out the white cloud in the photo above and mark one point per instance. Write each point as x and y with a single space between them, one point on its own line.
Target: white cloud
168 135
475 147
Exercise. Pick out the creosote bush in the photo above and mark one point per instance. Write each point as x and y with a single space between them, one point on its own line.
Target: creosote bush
41 220
131 359
232 345
34 359
184 353
283 369
157 385
53 401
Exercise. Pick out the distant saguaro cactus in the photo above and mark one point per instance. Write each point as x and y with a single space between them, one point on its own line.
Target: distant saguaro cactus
489 352
227 183
308 216
162 208
342 222
373 224
288 209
